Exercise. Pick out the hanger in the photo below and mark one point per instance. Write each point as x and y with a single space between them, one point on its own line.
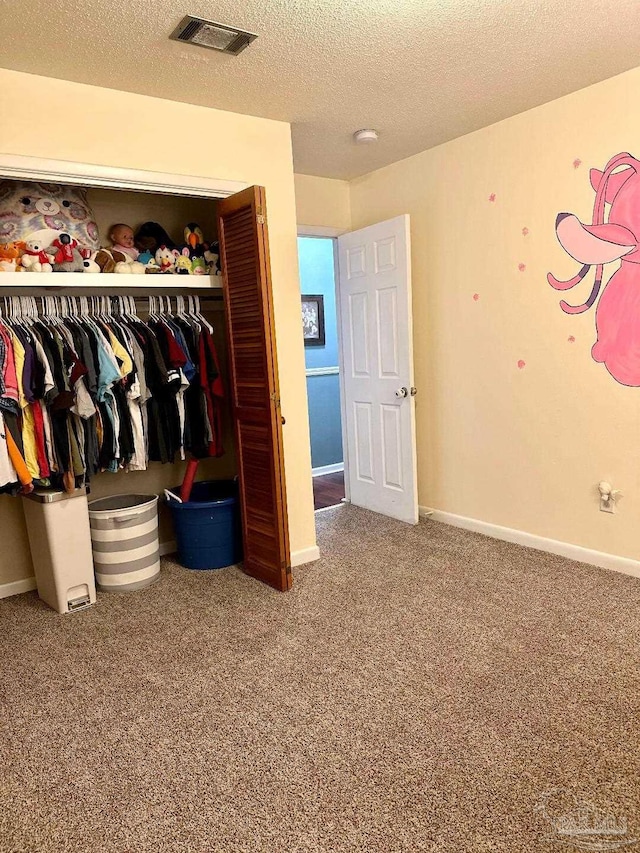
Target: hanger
84 308
128 308
152 307
191 315
16 311
201 317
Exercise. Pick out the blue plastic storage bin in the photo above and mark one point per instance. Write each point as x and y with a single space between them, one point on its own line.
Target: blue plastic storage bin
207 526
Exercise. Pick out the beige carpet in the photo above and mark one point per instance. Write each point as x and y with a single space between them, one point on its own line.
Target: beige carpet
420 689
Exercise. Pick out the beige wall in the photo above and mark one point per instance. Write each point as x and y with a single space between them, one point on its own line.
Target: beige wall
523 448
103 126
322 202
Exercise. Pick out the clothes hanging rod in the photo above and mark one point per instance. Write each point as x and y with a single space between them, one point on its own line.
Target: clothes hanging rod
214 294
59 305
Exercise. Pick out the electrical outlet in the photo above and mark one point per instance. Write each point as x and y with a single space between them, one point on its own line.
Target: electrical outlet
607 506
608 497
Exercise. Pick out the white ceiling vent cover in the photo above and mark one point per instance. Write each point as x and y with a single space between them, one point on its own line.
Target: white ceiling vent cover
212 35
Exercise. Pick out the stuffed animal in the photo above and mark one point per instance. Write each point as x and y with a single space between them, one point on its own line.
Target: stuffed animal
150 236
130 267
196 248
194 239
89 261
198 266
108 258
212 257
66 254
10 256
166 258
39 211
148 260
183 262
36 258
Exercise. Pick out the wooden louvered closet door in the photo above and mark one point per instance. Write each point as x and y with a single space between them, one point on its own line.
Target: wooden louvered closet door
244 255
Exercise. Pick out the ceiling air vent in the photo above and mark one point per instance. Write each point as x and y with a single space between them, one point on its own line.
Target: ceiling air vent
212 35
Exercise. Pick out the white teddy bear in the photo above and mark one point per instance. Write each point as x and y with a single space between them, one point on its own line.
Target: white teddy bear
130 267
35 259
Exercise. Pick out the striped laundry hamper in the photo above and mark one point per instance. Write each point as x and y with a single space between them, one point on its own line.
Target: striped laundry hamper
124 540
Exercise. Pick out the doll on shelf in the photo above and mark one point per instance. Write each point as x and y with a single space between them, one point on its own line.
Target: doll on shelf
121 237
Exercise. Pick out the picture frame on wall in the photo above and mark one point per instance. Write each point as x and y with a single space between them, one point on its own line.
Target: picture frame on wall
313 320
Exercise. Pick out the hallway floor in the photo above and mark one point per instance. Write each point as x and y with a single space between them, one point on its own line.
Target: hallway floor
328 490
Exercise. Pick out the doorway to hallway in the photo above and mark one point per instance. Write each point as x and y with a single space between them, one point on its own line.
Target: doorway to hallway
316 257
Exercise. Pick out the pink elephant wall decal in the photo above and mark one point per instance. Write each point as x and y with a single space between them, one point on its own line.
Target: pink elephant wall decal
603 242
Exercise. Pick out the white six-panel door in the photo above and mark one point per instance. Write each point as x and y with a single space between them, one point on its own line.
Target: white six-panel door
377 356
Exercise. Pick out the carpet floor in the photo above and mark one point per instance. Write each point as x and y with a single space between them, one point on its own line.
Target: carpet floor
419 689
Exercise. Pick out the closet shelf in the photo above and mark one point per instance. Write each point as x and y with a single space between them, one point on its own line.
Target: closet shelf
109 281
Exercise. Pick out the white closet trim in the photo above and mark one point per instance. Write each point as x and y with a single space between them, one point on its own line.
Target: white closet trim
67 172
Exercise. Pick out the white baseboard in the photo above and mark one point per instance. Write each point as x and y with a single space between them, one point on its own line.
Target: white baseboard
27 584
17 587
552 546
306 555
328 469
169 547
298 558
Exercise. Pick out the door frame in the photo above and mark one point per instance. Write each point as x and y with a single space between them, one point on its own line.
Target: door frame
333 234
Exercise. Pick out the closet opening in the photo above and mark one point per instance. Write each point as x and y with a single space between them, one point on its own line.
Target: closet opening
212 364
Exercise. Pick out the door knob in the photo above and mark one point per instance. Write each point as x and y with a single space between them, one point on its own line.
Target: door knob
402 392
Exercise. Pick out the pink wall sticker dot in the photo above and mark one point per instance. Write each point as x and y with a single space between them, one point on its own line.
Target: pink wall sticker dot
525 231
476 296
577 163
492 197
521 364
522 267
571 339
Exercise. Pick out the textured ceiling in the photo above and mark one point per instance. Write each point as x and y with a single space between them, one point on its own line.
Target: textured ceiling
420 71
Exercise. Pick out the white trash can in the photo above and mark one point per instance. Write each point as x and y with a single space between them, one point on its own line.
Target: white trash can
124 538
58 529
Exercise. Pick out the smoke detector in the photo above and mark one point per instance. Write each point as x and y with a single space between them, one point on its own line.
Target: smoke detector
363 137
212 35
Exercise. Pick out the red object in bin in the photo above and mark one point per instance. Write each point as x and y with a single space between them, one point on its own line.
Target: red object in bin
189 477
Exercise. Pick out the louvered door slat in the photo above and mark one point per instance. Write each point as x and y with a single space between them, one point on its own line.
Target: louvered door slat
244 254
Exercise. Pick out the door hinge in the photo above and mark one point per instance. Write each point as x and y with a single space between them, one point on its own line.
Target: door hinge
260 216
275 399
